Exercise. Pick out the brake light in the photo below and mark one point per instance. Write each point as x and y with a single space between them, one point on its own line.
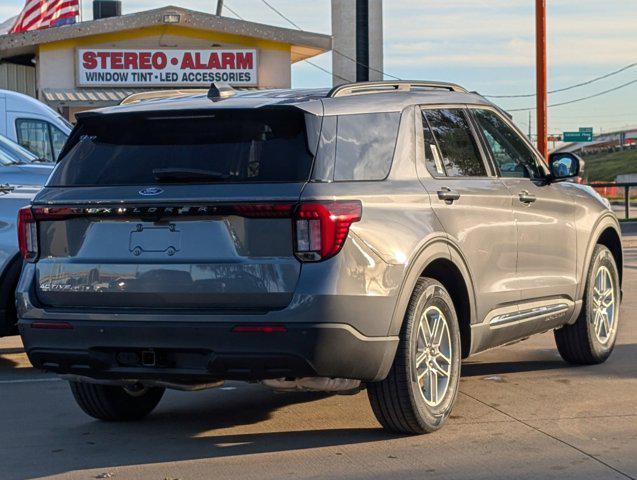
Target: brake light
321 228
263 210
27 234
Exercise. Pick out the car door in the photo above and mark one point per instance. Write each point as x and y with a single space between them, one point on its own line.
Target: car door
544 212
471 202
37 135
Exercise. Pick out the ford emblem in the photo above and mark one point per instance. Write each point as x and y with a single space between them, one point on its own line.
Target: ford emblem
148 191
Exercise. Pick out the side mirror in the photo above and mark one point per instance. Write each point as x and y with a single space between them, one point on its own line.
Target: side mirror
565 165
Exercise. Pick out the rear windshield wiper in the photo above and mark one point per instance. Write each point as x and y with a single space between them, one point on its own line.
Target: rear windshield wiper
186 174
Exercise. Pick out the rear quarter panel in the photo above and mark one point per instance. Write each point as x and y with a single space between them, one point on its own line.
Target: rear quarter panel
397 225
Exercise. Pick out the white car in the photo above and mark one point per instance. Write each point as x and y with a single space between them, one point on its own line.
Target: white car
32 124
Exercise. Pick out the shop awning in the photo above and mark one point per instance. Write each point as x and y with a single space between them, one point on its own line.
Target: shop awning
105 97
96 97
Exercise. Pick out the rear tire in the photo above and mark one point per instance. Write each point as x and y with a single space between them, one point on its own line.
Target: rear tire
591 339
405 401
8 315
114 403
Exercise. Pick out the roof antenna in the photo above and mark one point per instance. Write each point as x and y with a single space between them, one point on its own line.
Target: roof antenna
220 91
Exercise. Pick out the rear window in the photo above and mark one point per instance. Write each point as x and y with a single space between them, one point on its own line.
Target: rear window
222 146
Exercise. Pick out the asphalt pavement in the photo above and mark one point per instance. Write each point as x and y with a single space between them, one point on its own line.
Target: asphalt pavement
522 413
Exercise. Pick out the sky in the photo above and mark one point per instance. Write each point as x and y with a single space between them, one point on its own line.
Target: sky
484 45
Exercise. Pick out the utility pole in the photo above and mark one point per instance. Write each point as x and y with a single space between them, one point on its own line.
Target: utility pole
357 31
530 132
541 78
362 40
219 7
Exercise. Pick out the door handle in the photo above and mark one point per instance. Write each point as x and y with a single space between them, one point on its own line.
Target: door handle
526 197
448 195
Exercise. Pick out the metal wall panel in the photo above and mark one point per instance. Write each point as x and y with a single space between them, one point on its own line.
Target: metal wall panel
18 78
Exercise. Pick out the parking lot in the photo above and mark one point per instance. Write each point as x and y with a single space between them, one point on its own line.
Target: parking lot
522 413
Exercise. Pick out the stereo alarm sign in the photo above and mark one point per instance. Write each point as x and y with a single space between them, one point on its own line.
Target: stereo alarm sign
165 68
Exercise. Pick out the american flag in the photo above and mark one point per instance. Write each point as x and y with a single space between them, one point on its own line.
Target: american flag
46 13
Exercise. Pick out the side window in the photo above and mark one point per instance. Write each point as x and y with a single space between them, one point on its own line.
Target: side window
511 154
450 148
6 159
34 135
365 145
58 138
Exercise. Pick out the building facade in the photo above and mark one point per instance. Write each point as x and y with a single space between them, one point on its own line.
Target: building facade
100 62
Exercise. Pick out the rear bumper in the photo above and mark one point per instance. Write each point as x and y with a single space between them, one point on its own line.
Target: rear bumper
198 352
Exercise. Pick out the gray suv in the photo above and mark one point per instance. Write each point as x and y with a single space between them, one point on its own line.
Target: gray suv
371 236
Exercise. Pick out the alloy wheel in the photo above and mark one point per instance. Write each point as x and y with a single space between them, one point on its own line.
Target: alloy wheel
604 306
433 356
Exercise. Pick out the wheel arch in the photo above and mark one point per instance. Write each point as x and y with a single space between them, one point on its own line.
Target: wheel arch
606 232
441 260
612 240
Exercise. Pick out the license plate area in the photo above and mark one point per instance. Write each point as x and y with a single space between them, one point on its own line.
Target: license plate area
155 239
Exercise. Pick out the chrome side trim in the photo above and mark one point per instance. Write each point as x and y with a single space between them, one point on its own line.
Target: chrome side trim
529 314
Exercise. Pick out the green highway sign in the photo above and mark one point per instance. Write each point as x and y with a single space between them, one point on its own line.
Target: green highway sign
586 130
577 136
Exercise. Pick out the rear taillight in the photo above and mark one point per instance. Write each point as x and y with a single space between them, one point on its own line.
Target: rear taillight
321 228
27 234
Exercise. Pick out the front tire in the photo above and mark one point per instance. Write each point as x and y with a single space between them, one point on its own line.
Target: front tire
421 388
591 339
113 403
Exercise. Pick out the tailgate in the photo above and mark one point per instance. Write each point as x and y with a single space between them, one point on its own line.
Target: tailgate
212 255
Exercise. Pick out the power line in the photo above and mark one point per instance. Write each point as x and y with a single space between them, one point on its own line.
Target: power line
281 15
588 82
284 17
366 66
327 71
578 99
306 61
233 12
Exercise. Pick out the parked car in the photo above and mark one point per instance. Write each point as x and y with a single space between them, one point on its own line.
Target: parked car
18 166
312 240
21 177
32 124
18 152
12 198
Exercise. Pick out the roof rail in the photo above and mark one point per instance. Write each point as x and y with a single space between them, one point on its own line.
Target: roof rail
160 94
361 88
